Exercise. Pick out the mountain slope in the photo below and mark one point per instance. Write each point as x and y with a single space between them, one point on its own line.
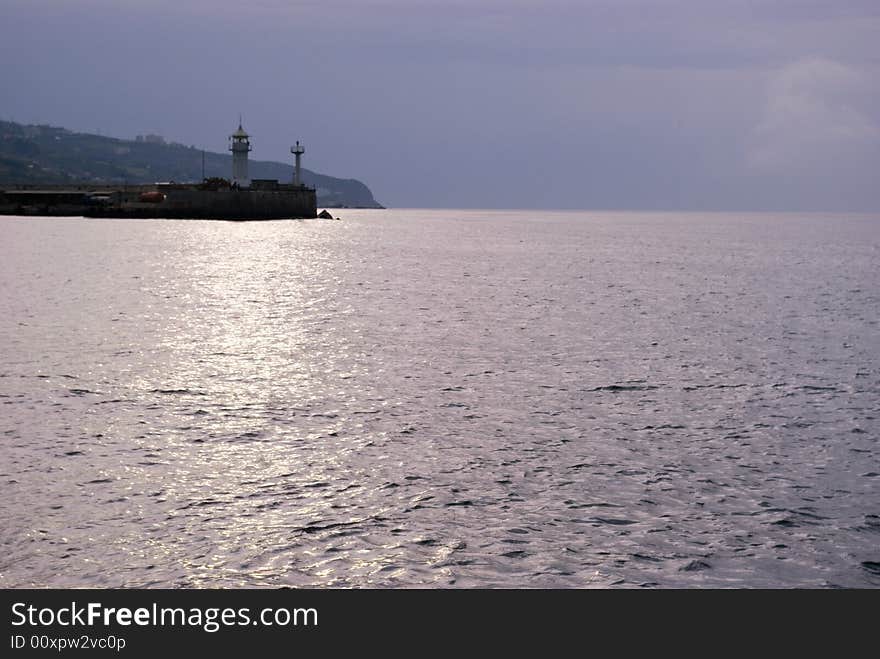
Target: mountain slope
48 154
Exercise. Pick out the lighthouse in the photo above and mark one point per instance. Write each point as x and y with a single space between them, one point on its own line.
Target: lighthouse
297 151
240 145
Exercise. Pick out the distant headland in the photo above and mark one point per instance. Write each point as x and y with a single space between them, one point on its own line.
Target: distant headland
42 155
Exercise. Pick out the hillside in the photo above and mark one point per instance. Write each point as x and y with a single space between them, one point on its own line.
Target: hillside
48 154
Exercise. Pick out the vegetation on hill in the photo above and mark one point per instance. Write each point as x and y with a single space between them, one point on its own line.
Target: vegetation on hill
48 154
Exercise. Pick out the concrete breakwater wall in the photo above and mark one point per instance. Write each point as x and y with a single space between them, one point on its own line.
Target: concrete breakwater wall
266 200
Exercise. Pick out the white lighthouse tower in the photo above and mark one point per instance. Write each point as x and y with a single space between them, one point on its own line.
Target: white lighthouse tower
240 145
297 151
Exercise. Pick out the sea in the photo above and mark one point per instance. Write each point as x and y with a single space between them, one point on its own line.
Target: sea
419 398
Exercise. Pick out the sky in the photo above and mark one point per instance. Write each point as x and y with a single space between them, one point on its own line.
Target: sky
590 104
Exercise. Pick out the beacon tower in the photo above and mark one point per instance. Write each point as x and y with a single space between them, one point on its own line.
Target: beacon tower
240 145
297 151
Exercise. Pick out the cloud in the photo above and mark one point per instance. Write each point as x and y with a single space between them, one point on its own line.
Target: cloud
815 120
570 103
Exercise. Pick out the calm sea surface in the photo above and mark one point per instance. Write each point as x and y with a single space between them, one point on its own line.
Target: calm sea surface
441 398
